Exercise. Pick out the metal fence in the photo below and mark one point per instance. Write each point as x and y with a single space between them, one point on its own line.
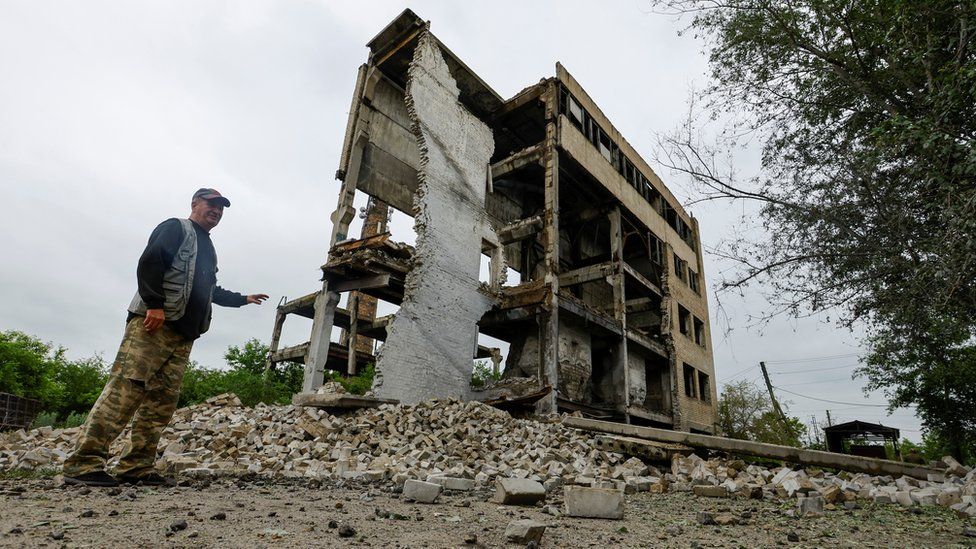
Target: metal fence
17 412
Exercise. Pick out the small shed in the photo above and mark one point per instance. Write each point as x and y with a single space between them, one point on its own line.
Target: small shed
863 438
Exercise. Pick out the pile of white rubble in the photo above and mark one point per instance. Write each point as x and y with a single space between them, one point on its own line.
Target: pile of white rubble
815 488
472 441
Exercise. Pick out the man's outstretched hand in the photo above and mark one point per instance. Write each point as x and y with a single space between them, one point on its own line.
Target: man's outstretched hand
154 320
257 299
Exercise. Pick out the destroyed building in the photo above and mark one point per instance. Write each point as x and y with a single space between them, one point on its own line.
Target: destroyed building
595 275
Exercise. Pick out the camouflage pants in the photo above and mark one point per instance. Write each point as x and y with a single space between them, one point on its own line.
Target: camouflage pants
144 386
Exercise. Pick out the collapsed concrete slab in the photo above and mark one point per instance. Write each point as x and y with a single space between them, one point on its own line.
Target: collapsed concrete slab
431 339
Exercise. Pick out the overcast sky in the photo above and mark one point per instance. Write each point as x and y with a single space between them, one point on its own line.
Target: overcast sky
113 113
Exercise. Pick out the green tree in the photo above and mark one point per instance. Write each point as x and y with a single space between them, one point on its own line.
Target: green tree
866 116
935 372
78 385
745 412
252 358
26 367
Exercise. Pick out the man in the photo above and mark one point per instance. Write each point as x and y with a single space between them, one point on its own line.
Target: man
177 277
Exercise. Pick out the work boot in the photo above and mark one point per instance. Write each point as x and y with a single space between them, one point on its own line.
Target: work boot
95 478
150 479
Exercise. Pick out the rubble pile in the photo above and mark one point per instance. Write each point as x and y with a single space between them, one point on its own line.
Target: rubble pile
461 446
814 488
464 440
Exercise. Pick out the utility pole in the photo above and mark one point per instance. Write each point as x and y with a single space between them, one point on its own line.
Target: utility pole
829 422
772 397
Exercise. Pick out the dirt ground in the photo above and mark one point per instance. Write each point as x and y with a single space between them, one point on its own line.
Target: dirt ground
235 513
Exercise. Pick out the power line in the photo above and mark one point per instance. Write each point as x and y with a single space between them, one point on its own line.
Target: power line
833 401
812 359
817 382
816 370
740 372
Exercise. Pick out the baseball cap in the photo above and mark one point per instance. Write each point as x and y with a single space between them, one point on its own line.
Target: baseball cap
210 194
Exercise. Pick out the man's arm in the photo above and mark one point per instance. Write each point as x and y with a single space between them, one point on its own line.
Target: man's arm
227 298
156 258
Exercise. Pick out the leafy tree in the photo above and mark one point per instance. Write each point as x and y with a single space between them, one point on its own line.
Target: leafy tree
866 116
935 371
745 412
78 385
26 365
252 358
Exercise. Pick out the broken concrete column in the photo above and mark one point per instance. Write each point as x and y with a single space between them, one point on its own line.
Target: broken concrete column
430 343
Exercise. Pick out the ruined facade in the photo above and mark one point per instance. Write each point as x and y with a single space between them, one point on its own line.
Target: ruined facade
595 279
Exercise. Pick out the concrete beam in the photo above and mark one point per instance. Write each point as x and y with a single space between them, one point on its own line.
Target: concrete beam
522 158
759 449
588 274
632 272
520 230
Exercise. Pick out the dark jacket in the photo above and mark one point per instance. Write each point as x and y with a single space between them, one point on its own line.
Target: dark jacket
157 258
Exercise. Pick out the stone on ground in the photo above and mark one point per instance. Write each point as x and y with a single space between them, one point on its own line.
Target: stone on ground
810 506
709 491
525 531
420 491
519 491
594 502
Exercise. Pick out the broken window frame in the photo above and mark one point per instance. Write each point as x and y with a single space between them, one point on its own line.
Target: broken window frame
698 329
684 321
704 390
693 281
690 377
680 266
656 250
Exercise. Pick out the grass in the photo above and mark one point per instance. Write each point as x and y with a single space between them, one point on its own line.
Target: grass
27 474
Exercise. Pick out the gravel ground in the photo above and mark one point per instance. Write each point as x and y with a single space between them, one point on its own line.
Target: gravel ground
235 513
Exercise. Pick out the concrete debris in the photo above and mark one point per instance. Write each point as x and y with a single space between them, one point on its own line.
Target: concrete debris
420 491
953 467
331 388
525 531
718 478
449 445
709 491
519 491
458 444
594 502
812 506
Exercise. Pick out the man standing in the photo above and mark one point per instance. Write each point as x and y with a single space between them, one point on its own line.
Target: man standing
177 276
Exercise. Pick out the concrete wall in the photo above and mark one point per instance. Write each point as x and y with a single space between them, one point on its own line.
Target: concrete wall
431 340
638 383
575 361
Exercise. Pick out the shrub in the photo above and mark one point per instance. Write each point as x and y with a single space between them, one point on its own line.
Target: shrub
483 373
45 419
74 420
358 384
